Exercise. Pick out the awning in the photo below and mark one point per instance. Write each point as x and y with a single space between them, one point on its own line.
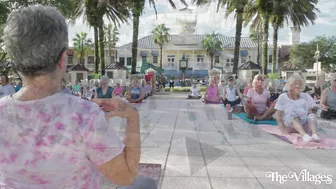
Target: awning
143 53
155 53
243 53
144 65
171 73
189 73
201 73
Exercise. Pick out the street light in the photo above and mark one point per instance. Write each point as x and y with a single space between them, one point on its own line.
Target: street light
183 66
317 56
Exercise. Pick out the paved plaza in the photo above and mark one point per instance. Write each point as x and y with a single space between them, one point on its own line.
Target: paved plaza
199 148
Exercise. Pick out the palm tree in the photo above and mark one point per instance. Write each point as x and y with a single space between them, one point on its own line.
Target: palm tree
161 37
111 39
256 36
212 44
137 7
93 12
237 6
82 46
259 11
4 11
299 13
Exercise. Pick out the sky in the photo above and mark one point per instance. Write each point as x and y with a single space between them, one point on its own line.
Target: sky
208 21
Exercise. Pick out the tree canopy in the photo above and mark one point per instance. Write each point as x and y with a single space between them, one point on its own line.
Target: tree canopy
303 54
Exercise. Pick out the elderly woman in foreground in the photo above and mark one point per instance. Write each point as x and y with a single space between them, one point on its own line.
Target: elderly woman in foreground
50 139
294 110
258 105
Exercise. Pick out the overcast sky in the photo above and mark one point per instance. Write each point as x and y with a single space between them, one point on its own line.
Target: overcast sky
208 20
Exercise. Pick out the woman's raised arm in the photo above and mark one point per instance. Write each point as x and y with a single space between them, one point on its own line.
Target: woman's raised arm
323 102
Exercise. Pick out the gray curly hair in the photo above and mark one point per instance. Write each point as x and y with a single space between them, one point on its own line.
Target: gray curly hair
35 39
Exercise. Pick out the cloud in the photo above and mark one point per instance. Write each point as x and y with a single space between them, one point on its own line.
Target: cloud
209 20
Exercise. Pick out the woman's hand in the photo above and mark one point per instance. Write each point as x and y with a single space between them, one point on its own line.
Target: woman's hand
324 107
116 107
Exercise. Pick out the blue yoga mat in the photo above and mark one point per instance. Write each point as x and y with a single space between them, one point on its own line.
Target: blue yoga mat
264 122
248 120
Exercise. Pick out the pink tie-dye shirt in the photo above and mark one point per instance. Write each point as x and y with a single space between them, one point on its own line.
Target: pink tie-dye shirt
55 142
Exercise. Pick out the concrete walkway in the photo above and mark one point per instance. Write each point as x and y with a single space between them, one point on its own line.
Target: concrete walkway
200 149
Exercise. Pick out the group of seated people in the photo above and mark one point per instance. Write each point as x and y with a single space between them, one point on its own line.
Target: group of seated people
293 109
134 94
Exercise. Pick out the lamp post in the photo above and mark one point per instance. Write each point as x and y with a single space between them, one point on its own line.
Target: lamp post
317 56
183 66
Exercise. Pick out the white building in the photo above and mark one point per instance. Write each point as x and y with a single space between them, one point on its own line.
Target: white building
189 44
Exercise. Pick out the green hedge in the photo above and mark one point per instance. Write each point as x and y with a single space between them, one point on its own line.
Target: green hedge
183 89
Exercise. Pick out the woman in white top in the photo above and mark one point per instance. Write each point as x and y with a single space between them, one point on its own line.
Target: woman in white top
294 110
194 93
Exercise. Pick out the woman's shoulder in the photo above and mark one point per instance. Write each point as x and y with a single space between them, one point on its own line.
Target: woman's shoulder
283 96
305 95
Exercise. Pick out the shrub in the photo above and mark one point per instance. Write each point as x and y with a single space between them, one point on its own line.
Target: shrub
273 76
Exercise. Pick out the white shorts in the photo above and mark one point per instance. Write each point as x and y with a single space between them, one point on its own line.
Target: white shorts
288 122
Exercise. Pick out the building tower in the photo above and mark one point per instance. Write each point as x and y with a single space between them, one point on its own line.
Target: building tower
186 19
294 36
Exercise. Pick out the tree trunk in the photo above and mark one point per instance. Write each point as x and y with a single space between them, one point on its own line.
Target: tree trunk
211 61
239 26
109 43
136 16
96 47
265 21
258 56
161 56
275 46
82 53
101 48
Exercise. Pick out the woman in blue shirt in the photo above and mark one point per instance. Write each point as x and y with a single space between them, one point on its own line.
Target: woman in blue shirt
134 94
105 91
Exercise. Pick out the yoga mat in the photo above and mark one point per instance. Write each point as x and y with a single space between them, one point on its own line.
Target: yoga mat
144 169
248 120
236 109
212 102
296 139
150 170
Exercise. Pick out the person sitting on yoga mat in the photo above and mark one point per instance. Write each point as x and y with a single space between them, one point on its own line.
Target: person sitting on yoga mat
118 91
194 93
54 140
221 88
328 100
230 94
149 88
143 89
319 86
212 94
135 94
272 89
294 110
248 87
105 91
258 105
